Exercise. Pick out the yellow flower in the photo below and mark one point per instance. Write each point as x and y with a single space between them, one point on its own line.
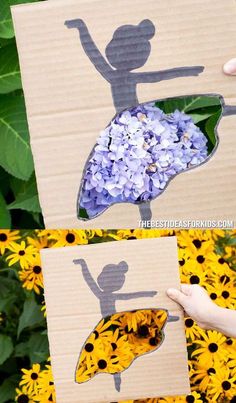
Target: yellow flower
95 232
23 396
195 241
68 238
46 386
32 277
211 348
39 242
192 330
222 384
30 379
22 254
203 375
7 237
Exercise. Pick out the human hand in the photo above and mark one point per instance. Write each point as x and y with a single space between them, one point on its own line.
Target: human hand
196 303
230 67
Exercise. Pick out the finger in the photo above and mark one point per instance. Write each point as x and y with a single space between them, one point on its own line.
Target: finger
230 67
177 296
186 289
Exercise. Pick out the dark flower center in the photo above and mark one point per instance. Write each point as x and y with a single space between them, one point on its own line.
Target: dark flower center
143 331
213 296
127 330
213 347
181 262
102 364
114 346
89 347
224 279
70 238
225 294
96 334
194 280
153 341
3 237
197 243
226 385
21 252
51 383
233 400
221 260
200 259
229 342
131 237
114 357
50 398
34 376
211 371
23 399
189 322
190 399
37 269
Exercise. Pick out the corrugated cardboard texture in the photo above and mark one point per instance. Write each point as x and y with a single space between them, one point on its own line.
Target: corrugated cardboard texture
73 312
69 102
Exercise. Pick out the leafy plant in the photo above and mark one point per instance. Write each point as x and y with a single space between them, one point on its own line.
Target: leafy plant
19 204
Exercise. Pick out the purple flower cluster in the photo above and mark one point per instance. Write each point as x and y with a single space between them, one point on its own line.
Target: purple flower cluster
137 155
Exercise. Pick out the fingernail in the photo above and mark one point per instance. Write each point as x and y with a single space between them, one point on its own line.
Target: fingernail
230 67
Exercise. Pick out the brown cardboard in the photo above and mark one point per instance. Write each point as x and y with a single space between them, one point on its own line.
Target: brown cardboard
73 312
69 103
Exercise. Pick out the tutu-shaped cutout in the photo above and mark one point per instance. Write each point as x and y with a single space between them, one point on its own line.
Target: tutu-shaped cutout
143 148
118 340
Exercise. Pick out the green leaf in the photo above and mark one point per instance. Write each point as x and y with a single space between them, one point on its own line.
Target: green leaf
188 104
38 348
211 126
10 79
6 25
31 315
5 218
199 117
15 152
7 389
201 102
6 347
27 198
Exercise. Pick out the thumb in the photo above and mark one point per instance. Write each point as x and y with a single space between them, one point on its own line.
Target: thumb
230 67
177 296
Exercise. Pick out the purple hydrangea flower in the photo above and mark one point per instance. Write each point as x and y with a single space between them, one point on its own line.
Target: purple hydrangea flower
136 156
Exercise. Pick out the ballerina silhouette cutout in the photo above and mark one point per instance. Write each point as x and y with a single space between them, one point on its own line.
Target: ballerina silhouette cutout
110 280
128 50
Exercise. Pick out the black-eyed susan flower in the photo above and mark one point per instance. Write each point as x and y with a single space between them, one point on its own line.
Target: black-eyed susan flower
192 330
68 238
32 277
30 379
46 388
211 349
7 237
223 385
202 375
24 396
38 242
21 253
195 241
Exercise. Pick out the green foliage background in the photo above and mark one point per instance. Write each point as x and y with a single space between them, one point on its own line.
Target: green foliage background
19 203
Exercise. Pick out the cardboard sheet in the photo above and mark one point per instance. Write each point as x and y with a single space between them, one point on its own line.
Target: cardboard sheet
73 311
69 102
